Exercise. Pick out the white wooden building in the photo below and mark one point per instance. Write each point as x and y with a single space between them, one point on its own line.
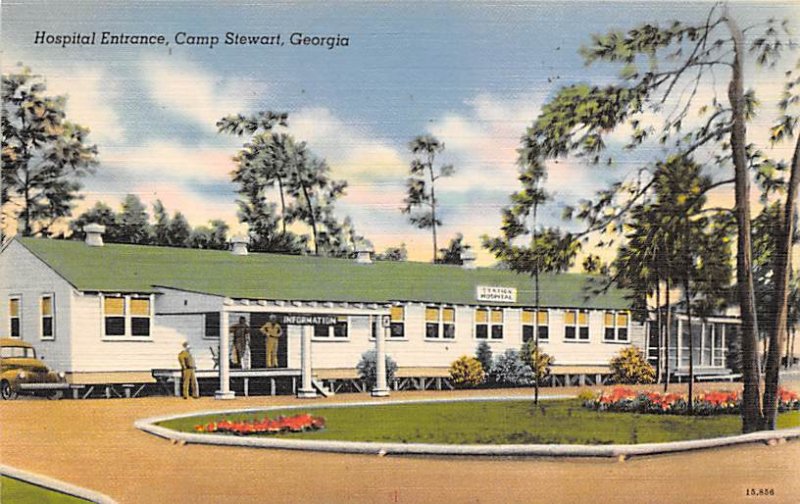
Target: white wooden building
112 314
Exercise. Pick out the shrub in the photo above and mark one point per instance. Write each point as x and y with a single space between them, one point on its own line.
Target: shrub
510 369
467 372
586 396
630 367
533 354
484 355
367 369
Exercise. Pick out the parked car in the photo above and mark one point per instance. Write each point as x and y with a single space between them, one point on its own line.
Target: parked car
21 372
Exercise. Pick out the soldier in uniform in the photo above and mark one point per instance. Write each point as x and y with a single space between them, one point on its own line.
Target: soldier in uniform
188 376
241 343
272 330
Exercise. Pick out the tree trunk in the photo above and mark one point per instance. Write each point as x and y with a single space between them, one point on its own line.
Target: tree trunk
433 206
659 333
536 313
751 407
312 218
667 329
782 273
688 296
283 204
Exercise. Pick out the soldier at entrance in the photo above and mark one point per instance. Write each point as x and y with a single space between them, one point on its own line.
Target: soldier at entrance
272 330
241 343
188 376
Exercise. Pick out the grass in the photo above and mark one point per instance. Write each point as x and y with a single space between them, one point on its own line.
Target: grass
14 491
499 422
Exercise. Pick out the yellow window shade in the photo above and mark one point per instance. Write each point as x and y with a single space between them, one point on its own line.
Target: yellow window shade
543 318
527 317
622 319
432 314
114 306
481 316
609 319
140 307
13 307
47 306
569 317
497 316
583 318
449 314
397 313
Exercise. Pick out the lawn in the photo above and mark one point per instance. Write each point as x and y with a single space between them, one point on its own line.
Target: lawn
14 491
498 422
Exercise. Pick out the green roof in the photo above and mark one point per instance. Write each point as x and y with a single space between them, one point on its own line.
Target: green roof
139 268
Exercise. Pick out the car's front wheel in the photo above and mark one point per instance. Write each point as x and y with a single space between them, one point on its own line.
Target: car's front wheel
6 392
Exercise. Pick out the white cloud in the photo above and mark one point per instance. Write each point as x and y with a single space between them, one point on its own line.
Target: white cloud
185 89
170 160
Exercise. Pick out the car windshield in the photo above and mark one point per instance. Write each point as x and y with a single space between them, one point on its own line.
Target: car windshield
15 351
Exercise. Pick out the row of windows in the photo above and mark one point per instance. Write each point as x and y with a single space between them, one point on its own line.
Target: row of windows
46 316
131 316
440 324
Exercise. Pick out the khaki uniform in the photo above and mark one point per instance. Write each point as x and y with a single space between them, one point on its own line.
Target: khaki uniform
241 344
188 376
273 333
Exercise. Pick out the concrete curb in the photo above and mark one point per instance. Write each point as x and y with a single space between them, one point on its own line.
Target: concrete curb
379 448
56 485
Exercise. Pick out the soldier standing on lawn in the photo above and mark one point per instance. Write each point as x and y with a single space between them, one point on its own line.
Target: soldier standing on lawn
188 376
272 330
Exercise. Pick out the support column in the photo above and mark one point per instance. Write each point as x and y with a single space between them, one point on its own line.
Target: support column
224 391
306 388
380 390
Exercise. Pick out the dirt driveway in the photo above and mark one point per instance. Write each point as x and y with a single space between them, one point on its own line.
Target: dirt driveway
93 443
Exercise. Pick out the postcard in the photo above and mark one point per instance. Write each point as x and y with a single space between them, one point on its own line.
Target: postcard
485 251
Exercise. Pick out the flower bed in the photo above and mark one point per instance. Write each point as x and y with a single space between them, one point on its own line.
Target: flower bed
708 403
296 423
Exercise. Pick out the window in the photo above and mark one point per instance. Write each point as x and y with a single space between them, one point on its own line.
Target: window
616 326
488 323
47 317
140 316
338 330
114 310
14 314
440 322
398 327
10 352
576 325
127 316
542 323
212 322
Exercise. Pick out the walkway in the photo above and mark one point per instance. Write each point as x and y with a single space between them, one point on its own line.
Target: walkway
93 443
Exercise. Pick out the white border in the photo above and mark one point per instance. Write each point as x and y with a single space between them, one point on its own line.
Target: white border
381 448
55 485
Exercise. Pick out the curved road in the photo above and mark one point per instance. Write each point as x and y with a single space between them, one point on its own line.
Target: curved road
93 443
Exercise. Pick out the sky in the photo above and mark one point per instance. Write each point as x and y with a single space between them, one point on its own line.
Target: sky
474 74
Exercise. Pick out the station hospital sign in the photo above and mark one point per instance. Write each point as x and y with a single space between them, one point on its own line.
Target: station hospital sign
496 294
